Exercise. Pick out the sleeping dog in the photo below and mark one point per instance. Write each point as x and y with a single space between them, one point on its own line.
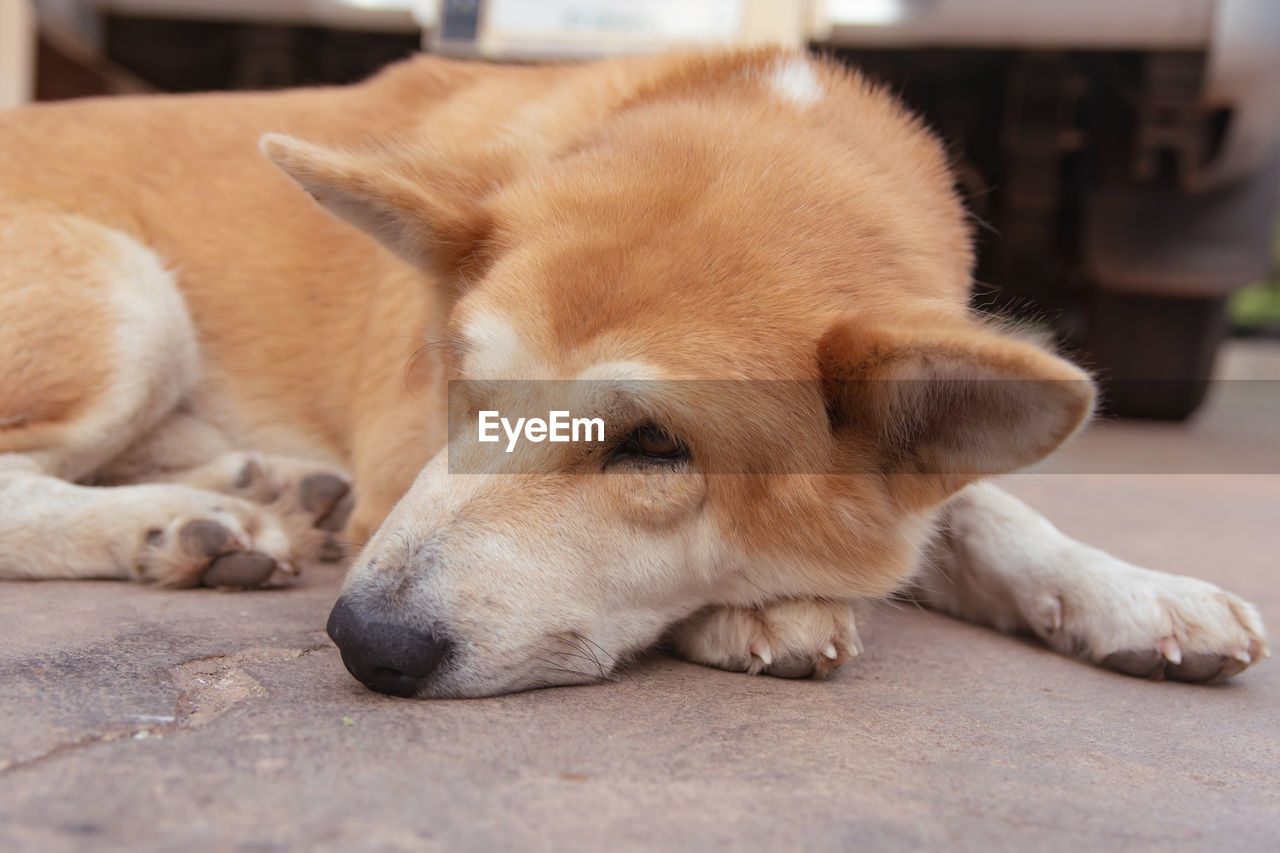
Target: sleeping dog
227 316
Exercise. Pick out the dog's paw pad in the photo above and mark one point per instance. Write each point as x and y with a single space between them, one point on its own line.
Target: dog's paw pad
251 472
240 473
230 543
1201 667
244 569
1192 667
1144 663
227 566
1169 627
328 498
809 663
204 538
791 666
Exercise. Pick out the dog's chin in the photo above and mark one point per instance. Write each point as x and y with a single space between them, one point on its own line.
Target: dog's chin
462 684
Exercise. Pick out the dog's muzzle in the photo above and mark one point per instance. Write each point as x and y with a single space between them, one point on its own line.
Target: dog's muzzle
383 654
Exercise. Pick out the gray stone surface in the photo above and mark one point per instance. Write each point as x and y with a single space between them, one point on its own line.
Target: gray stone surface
143 719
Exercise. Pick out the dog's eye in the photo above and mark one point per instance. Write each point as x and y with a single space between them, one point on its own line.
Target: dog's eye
653 443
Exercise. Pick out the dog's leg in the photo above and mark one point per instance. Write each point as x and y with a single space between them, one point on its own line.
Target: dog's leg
97 345
289 485
98 349
185 449
792 638
162 533
314 501
1000 563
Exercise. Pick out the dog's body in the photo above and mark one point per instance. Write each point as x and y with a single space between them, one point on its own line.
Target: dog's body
182 324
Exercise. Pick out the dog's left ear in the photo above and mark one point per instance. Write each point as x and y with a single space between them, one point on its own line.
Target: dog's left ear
945 407
428 221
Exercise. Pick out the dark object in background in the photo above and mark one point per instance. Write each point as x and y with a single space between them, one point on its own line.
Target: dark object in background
193 55
1081 169
1055 151
65 69
1167 341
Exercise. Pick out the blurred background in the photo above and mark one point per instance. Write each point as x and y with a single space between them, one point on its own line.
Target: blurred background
1120 159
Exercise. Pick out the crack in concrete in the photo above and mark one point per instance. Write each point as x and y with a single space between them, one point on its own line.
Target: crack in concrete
58 750
208 687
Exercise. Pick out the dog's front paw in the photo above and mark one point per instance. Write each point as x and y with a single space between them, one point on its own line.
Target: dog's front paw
323 496
308 495
792 638
1155 625
230 543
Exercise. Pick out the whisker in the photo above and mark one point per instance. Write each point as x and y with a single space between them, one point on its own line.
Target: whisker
892 601
578 651
575 673
613 659
590 646
586 658
582 645
604 675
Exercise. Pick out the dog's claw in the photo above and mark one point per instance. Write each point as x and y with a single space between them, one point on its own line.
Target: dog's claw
789 638
1172 651
760 648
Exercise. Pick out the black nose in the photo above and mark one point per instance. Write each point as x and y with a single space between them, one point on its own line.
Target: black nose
384 654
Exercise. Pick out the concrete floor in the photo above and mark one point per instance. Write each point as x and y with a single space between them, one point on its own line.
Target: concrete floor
143 719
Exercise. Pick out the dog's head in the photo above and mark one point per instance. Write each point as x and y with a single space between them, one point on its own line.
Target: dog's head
761 298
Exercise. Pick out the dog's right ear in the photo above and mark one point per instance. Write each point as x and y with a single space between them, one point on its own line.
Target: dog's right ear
428 221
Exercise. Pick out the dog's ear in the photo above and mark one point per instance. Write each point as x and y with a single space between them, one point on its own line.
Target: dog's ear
427 220
953 406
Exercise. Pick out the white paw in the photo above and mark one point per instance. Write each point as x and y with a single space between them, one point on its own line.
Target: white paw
241 473
321 496
230 543
792 638
1153 625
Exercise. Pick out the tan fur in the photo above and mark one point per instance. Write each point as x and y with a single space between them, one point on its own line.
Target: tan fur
50 356
681 217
